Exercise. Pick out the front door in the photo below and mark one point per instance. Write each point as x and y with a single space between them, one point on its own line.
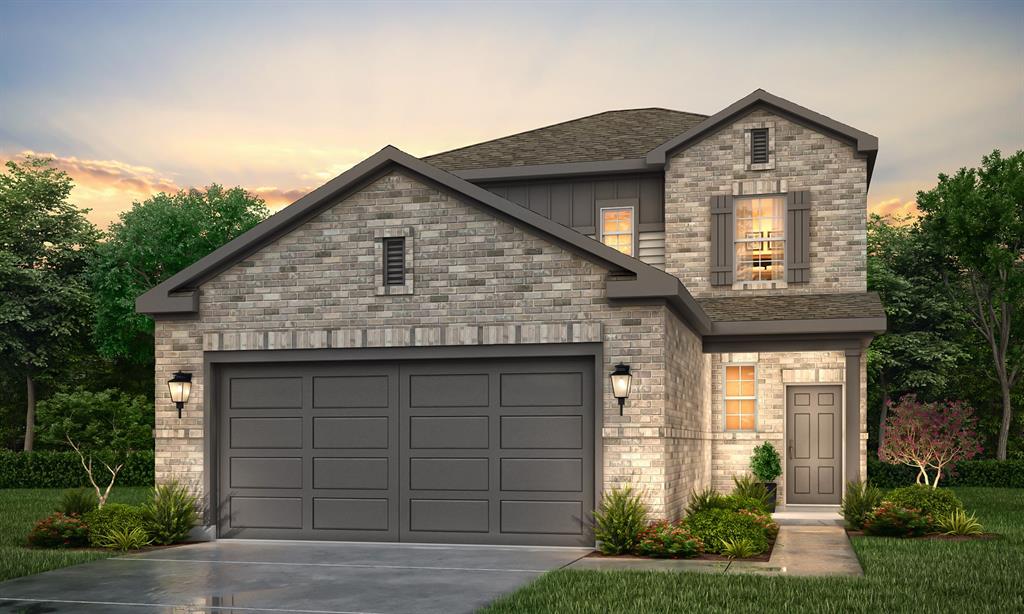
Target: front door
814 446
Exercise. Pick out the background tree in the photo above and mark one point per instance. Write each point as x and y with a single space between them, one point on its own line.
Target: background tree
154 240
975 221
930 436
104 420
45 245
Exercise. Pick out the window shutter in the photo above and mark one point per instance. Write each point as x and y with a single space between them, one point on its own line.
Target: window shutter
394 261
798 237
723 250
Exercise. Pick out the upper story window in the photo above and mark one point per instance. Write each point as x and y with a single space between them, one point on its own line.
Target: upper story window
760 238
740 397
617 228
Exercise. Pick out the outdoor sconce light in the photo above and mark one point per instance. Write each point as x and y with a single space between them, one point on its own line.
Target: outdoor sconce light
621 384
180 386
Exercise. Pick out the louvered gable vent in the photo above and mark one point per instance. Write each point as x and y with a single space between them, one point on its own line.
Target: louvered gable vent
394 261
759 146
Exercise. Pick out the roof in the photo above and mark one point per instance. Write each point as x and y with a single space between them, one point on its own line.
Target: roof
860 311
178 294
612 135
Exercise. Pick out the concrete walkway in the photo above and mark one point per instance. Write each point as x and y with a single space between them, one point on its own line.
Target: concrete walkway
800 550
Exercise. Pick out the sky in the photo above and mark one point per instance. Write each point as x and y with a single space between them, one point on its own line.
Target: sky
137 98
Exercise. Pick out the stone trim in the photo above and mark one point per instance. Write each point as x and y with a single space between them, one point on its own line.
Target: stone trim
747 127
379 234
652 432
760 187
495 334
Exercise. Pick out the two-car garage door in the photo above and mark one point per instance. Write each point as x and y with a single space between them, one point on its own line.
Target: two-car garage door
483 451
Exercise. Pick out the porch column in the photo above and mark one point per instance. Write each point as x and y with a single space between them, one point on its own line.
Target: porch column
852 461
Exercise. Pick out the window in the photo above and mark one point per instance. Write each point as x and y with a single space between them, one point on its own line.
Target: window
740 397
617 229
760 238
394 261
759 146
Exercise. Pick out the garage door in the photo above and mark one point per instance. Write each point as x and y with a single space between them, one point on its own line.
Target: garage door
483 451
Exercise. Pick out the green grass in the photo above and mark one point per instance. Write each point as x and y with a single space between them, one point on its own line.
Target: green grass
20 508
900 576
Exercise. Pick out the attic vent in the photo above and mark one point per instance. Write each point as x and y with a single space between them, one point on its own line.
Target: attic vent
394 261
759 146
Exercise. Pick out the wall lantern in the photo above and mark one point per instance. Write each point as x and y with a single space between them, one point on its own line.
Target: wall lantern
180 386
621 384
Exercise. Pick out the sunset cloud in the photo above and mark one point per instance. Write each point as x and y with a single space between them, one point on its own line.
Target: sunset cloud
894 207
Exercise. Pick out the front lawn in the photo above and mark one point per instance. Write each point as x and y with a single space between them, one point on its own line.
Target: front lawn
20 508
900 576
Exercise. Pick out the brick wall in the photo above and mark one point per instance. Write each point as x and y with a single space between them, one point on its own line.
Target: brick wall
805 160
315 287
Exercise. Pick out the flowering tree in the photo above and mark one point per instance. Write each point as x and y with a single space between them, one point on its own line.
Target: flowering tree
929 436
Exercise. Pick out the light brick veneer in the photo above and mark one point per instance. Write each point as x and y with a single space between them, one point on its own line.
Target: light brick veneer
730 454
478 279
804 159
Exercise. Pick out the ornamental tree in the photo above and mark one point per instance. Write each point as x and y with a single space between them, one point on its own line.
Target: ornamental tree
929 436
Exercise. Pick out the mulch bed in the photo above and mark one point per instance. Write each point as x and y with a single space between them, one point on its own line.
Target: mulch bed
763 557
933 536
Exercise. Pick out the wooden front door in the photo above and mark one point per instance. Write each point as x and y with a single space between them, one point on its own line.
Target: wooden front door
814 450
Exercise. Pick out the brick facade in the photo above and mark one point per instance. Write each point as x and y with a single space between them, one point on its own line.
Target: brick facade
478 280
804 159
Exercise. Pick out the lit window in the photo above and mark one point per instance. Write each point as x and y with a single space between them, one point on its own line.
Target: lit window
617 229
760 238
740 398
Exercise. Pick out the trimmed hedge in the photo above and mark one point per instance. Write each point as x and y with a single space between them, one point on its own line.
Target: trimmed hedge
64 470
987 472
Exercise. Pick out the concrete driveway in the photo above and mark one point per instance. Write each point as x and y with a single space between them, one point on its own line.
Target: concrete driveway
313 577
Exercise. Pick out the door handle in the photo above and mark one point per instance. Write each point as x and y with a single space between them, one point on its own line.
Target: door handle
789 449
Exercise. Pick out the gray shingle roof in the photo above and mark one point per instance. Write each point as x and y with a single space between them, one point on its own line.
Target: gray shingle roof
793 307
612 135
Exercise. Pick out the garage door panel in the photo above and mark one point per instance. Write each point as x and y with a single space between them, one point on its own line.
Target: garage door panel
542 432
351 473
351 391
449 474
369 432
265 472
456 432
541 389
265 433
351 514
449 515
265 393
266 512
542 474
449 390
549 517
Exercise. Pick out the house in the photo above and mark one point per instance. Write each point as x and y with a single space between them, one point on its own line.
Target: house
419 350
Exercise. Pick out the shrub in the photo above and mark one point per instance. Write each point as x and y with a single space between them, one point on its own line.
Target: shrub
111 517
714 526
78 502
765 464
706 499
64 470
749 487
860 500
959 522
892 520
739 548
711 500
59 530
934 502
170 514
109 419
124 539
987 472
621 518
668 540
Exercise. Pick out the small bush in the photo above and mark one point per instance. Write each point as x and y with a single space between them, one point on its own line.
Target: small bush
125 539
748 487
701 500
714 526
621 518
765 464
739 548
668 540
711 500
892 520
170 514
959 523
78 502
860 500
934 502
112 517
59 530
